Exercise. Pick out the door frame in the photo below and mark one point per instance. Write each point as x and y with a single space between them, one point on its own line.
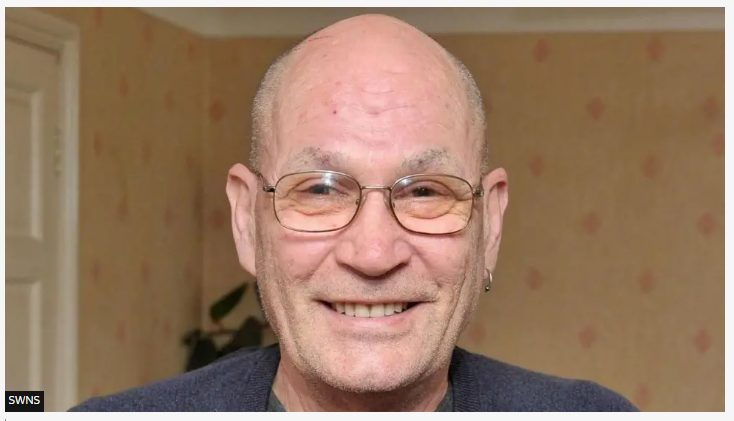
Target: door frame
51 33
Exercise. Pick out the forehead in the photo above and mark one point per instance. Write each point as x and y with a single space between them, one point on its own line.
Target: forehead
367 111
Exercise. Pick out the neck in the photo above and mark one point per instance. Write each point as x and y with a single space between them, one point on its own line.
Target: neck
300 394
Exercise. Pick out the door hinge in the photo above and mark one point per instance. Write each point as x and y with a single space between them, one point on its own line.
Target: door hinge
57 152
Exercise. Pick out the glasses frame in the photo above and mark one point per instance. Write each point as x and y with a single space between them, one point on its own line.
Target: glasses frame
476 192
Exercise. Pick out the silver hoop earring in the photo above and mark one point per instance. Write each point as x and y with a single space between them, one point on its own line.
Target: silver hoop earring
488 279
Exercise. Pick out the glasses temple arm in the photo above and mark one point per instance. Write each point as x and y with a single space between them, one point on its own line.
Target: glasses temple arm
265 186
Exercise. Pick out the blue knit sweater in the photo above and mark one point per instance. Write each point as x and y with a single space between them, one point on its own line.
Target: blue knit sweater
242 382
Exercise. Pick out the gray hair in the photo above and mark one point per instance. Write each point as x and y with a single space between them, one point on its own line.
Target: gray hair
263 106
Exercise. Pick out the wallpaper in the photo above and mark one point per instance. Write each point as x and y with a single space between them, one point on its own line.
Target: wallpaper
612 263
140 258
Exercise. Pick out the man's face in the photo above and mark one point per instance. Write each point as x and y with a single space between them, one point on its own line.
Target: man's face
377 120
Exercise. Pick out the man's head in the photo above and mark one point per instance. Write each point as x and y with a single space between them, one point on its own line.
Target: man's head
375 99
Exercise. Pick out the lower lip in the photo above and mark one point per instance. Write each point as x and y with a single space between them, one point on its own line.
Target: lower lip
394 321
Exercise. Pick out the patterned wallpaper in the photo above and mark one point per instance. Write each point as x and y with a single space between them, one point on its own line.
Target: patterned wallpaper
612 265
141 128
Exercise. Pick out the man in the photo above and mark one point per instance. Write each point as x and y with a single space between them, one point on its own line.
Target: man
372 224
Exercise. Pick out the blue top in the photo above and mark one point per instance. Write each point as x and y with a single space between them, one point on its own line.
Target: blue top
242 381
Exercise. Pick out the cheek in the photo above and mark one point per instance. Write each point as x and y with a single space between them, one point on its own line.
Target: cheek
298 257
447 259
292 255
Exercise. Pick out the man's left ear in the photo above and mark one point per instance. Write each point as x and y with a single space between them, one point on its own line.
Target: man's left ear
495 203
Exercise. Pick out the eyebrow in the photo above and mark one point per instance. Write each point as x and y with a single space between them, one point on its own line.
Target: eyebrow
314 158
430 160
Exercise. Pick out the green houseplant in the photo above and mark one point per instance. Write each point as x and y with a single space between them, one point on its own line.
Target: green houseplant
202 345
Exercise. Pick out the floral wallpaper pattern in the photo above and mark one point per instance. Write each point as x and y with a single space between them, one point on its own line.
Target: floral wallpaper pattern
143 85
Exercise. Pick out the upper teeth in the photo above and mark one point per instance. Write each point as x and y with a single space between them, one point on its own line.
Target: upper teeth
374 310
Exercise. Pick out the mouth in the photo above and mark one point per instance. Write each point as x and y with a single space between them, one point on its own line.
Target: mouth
377 310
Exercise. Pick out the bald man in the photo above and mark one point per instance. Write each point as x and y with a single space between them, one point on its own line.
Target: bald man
372 222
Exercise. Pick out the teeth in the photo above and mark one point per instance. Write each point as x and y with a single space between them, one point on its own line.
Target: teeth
377 310
363 310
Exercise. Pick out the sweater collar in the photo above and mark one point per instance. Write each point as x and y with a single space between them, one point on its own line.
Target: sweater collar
464 381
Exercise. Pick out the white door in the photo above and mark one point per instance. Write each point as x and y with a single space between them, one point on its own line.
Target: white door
32 81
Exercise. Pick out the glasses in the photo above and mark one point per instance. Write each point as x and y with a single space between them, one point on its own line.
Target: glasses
324 201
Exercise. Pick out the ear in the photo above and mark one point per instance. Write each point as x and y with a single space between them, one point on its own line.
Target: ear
242 189
495 203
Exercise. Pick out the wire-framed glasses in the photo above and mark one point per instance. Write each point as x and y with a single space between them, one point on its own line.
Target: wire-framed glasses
324 201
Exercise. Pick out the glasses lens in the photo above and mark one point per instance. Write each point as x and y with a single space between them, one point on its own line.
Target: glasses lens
316 201
433 204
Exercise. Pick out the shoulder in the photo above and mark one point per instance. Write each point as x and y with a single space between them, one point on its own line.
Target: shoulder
507 387
216 387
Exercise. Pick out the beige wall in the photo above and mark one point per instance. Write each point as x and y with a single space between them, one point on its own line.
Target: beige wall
141 128
613 261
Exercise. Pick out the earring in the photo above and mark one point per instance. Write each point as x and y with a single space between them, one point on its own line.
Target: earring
488 280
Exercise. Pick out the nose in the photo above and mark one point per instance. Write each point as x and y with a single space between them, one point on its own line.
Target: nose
374 244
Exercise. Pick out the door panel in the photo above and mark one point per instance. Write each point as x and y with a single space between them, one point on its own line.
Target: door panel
32 83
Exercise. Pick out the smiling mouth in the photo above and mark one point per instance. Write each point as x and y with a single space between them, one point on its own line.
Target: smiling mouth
370 310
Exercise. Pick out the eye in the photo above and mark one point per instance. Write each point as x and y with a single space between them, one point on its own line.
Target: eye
424 190
320 189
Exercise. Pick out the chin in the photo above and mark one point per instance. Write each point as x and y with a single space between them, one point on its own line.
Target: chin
367 355
369 368
381 370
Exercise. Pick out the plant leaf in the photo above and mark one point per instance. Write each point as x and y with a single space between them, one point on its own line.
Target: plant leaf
192 337
250 334
224 305
202 353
